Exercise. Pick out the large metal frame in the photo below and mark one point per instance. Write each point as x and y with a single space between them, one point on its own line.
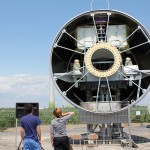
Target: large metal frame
109 84
100 64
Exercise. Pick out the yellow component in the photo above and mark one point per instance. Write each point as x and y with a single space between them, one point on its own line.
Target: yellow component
98 47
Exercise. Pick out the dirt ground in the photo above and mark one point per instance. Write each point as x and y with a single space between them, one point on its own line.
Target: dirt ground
10 138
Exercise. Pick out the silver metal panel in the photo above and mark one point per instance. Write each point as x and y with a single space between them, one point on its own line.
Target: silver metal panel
91 118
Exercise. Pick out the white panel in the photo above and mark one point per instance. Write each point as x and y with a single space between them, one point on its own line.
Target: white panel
116 34
85 35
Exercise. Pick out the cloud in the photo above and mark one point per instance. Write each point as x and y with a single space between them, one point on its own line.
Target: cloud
24 87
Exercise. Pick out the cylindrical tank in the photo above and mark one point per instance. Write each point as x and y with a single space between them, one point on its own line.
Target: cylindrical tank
100 61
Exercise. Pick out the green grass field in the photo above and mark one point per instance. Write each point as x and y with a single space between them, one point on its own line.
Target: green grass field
8 116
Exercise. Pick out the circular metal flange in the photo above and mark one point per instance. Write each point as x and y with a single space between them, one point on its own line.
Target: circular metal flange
98 47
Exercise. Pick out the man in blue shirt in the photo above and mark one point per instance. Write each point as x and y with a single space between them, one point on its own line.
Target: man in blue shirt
30 129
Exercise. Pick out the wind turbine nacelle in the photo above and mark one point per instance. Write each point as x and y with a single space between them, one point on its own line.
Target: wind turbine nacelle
100 62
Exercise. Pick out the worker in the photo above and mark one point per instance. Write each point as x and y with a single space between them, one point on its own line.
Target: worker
58 133
30 130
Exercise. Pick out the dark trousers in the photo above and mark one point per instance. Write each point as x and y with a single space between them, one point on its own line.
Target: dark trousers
61 143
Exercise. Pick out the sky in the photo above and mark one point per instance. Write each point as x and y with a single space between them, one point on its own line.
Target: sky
27 31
